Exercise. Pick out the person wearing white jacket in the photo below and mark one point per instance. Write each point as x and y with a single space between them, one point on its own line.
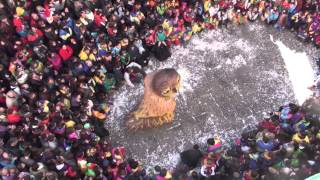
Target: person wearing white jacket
11 99
138 44
133 74
213 10
253 14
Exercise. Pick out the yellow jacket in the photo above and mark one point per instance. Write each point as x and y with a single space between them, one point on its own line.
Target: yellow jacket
207 5
83 55
297 139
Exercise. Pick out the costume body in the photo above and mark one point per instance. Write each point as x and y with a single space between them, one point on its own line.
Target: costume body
158 104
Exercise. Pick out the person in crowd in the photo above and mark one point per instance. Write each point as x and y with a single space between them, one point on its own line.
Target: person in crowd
191 157
133 74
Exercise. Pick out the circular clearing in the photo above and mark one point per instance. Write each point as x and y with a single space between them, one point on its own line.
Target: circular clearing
230 78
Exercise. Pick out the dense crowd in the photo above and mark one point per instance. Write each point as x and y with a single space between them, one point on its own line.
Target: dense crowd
285 145
60 61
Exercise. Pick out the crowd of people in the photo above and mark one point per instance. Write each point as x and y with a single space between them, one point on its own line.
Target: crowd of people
285 145
60 61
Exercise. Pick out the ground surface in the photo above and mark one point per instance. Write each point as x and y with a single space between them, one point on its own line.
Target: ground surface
230 79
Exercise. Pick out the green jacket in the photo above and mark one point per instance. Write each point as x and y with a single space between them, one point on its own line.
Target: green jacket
161 36
161 10
109 83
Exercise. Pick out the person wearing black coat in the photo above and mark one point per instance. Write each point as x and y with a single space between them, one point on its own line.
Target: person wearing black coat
191 157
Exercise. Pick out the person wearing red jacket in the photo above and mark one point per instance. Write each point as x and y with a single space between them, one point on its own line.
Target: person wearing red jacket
55 60
99 19
188 16
66 52
13 116
21 29
35 35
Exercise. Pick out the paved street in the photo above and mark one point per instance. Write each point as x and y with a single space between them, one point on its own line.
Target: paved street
230 78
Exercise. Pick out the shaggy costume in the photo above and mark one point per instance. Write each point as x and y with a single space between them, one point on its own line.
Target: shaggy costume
158 104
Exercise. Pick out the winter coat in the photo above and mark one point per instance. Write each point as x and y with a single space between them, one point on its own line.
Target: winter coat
83 55
40 172
41 51
139 45
3 130
268 125
215 148
55 60
13 118
273 16
65 33
35 35
188 16
161 36
28 161
299 140
151 39
128 77
66 53
161 10
262 146
11 99
6 163
191 157
109 83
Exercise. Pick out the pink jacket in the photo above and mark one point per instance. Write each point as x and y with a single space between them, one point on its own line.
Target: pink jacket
55 60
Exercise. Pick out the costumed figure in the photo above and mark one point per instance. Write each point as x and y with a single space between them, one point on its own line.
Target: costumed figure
158 104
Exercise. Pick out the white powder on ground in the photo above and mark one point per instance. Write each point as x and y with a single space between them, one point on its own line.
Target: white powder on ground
300 70
254 28
244 45
236 62
126 98
124 101
183 60
192 66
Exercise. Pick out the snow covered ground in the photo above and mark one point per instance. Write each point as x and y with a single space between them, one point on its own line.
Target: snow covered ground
301 73
230 79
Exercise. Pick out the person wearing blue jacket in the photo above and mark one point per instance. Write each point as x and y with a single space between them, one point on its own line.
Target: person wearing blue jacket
265 144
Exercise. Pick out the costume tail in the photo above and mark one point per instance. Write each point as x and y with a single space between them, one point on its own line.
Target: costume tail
151 122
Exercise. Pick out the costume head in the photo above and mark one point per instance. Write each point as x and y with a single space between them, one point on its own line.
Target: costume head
166 82
158 104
